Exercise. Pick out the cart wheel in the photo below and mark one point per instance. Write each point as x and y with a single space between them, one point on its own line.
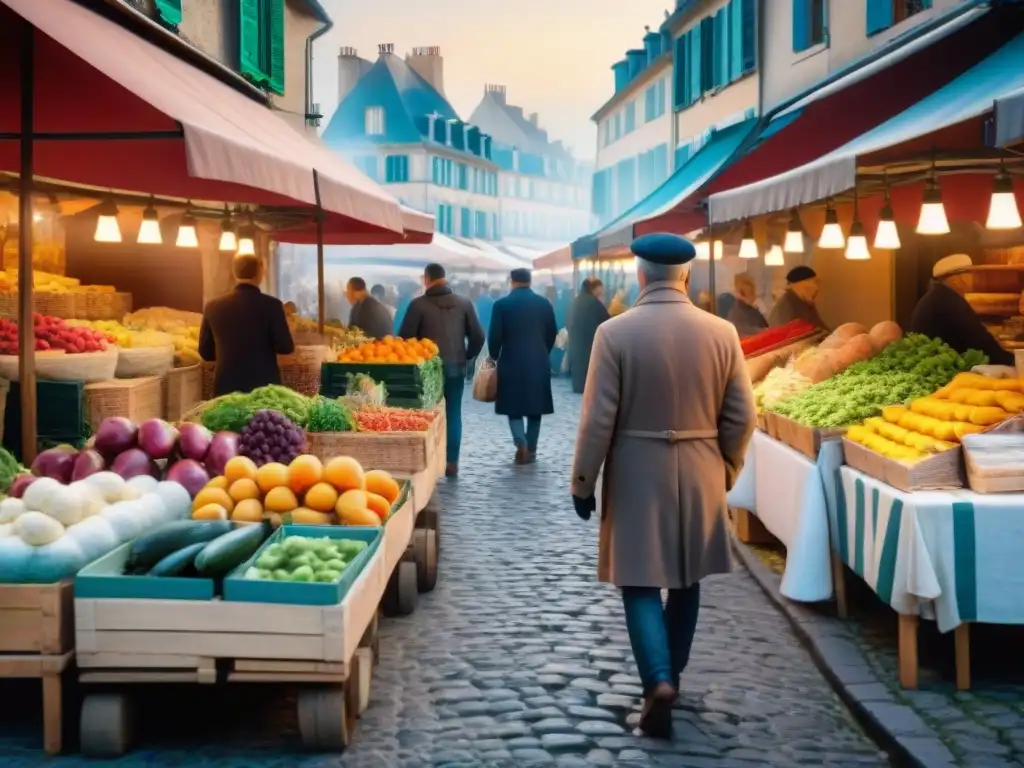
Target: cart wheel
418 545
327 716
363 677
427 575
106 726
401 594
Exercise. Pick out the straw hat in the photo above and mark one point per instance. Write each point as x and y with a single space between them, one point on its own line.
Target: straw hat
956 262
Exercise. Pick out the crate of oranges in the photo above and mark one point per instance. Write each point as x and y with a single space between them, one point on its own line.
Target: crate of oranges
409 369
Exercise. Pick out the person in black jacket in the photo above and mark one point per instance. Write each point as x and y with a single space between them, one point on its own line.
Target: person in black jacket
368 314
450 321
943 313
587 313
244 331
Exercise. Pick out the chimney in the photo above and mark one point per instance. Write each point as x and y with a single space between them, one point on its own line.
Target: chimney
497 92
350 69
426 62
534 119
384 48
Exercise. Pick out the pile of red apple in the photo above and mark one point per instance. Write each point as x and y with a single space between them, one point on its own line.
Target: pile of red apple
53 333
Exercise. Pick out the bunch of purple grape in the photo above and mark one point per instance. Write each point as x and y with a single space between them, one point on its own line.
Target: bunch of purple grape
271 436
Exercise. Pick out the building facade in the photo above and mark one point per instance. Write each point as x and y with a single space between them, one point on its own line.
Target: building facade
268 43
495 177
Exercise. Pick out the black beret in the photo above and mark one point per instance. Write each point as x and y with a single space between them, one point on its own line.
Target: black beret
799 274
521 275
664 248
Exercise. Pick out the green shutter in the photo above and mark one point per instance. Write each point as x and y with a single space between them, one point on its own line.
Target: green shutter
696 62
707 63
273 35
169 11
735 39
249 40
680 85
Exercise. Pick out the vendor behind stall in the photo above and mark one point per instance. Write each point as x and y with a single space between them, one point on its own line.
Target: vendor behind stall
797 303
943 313
244 331
744 313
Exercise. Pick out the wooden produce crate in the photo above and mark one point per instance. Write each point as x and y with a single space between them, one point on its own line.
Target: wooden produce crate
806 440
182 391
138 399
36 641
943 471
771 425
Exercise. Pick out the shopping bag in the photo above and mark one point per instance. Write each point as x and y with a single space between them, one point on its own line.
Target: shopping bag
562 339
485 381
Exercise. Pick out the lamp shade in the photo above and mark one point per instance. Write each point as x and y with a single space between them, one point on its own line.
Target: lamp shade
107 228
748 246
831 234
887 236
775 257
933 219
857 243
794 242
1003 212
187 236
149 232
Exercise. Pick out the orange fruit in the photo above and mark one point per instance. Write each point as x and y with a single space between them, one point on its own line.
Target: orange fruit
240 468
345 473
383 484
304 472
218 482
280 499
321 497
378 505
352 509
210 512
247 511
272 475
243 489
213 496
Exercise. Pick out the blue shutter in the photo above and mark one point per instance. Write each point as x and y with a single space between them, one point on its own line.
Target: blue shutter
721 48
801 25
707 60
681 83
660 97
880 16
749 35
467 223
696 70
735 39
495 230
169 11
630 118
926 4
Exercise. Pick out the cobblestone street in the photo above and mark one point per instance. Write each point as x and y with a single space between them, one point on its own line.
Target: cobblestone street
520 658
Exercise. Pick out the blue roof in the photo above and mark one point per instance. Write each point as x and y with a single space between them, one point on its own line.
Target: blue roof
405 96
697 171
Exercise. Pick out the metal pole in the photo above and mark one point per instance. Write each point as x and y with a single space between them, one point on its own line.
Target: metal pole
26 324
320 299
711 276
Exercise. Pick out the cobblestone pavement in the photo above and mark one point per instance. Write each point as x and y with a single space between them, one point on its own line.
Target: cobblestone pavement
981 728
520 658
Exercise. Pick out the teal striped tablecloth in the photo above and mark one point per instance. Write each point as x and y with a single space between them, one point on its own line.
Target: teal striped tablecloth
955 556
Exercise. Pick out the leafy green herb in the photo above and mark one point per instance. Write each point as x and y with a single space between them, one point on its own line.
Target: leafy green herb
330 416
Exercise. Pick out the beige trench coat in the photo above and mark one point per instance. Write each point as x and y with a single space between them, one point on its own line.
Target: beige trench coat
663 366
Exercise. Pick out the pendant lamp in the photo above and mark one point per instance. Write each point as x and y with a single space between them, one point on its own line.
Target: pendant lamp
794 242
107 229
775 256
149 232
748 246
857 242
247 239
831 234
933 219
187 235
887 236
228 241
1003 212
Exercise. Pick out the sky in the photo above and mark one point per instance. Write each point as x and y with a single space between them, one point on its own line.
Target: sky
553 56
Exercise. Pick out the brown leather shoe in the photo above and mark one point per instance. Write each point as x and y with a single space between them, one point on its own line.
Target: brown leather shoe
452 470
656 717
522 454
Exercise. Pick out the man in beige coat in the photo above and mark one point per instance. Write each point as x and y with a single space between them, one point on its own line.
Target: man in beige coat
668 411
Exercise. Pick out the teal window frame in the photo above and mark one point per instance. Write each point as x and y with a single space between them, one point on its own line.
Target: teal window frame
809 24
466 223
463 174
396 169
261 43
629 118
883 14
480 228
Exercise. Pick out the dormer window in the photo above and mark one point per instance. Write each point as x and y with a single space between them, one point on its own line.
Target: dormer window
374 119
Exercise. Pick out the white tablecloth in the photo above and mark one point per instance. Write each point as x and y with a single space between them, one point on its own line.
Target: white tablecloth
789 494
952 555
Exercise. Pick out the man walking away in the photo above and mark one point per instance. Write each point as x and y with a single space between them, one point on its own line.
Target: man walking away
521 338
588 312
368 314
380 293
450 322
668 398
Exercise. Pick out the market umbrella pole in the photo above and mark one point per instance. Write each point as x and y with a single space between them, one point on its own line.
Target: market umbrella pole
320 298
26 324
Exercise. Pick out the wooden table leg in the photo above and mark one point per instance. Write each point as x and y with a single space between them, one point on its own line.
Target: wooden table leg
908 651
53 720
839 585
962 644
749 529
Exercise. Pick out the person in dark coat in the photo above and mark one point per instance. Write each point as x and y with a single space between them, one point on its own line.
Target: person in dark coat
244 331
797 303
484 304
744 315
368 314
943 313
450 321
587 313
520 340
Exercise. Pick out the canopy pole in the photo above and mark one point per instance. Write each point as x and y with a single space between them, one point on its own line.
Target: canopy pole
320 298
26 324
711 273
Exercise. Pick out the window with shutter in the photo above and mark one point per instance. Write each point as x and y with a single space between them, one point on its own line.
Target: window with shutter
707 60
466 228
749 37
721 48
880 16
261 42
373 119
735 39
696 64
630 118
680 65
169 12
808 24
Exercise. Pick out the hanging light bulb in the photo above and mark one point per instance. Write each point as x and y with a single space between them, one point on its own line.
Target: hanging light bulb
748 246
107 229
775 256
887 237
187 236
1002 211
149 232
857 242
228 241
247 239
831 234
719 248
794 234
703 248
933 219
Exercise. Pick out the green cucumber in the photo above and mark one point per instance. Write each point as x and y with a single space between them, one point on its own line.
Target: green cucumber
227 552
150 548
177 562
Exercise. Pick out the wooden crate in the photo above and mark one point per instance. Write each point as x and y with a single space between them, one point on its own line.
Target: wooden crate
397 535
806 440
138 399
943 471
399 452
182 391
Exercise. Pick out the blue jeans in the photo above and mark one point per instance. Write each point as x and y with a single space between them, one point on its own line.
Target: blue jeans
454 386
661 636
527 434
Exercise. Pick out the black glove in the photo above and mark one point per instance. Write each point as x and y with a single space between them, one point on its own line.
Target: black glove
584 507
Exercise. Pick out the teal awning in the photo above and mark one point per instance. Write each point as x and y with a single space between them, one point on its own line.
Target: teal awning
691 176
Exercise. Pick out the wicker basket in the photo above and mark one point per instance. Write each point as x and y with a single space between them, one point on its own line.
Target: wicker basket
400 452
300 371
9 305
208 369
63 305
98 306
138 399
144 361
58 366
121 305
183 390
